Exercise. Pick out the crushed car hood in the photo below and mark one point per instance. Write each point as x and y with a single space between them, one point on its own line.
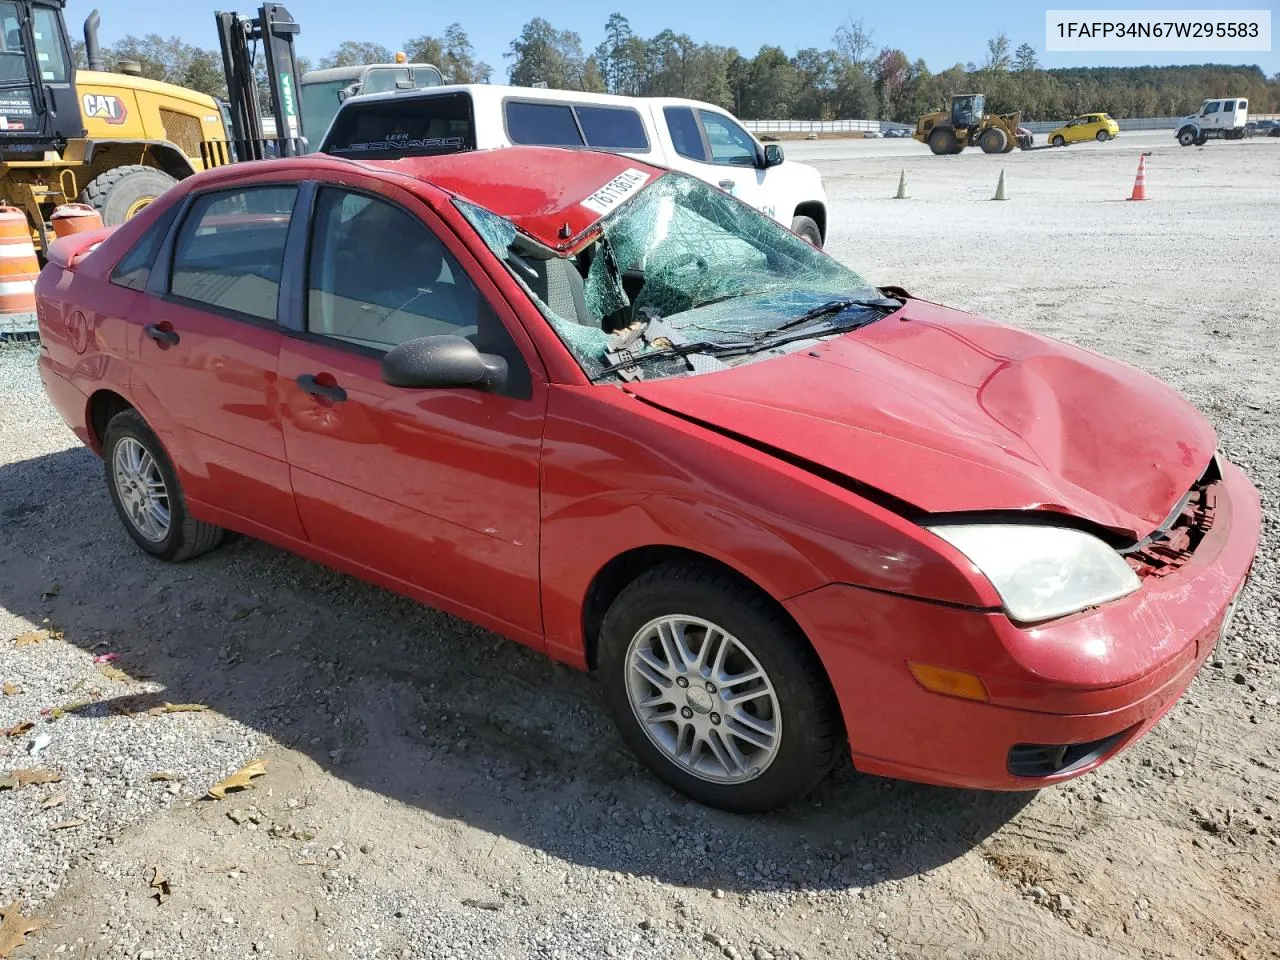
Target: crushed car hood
951 413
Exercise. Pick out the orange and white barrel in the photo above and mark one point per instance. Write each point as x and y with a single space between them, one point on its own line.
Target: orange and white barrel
72 218
19 269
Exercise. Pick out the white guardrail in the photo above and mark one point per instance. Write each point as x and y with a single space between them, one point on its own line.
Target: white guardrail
864 126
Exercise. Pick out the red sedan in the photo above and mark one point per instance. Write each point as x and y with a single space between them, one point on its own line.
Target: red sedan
610 412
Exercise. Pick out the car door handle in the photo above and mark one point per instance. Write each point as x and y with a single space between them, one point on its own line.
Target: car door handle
334 393
162 333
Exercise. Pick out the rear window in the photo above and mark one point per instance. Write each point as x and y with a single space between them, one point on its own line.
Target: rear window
412 126
543 124
613 128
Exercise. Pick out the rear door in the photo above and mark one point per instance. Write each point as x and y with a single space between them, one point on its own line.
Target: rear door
205 353
435 488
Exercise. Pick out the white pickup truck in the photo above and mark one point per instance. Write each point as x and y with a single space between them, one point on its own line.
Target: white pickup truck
696 138
1225 119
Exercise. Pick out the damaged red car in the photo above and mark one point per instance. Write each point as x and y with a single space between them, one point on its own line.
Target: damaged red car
613 413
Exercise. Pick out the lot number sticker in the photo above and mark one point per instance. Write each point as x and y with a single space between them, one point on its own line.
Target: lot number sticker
616 190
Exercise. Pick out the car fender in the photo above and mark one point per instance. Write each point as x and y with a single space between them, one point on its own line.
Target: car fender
619 474
794 184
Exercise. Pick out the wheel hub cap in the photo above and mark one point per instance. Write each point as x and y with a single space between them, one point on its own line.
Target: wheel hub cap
703 699
141 489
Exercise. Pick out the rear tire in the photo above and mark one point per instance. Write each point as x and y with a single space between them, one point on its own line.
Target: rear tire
943 142
700 604
993 140
123 192
137 469
806 228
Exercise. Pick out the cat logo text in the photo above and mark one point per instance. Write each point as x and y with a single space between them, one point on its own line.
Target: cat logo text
100 106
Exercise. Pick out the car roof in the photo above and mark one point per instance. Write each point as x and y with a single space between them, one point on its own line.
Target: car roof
539 189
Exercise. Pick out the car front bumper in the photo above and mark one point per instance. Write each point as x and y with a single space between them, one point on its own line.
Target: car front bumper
1064 696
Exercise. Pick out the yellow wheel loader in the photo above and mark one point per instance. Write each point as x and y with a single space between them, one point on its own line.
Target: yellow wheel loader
117 140
967 124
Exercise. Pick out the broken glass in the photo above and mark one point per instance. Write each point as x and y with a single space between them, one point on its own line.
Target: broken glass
679 262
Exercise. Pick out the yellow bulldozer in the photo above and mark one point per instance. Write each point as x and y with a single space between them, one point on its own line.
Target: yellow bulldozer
967 124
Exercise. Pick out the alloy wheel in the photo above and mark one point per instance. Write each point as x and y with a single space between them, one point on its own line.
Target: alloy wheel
141 489
703 699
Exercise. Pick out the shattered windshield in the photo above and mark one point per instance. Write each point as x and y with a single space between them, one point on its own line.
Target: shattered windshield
681 279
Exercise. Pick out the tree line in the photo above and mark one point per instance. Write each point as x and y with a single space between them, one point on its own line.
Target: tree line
852 78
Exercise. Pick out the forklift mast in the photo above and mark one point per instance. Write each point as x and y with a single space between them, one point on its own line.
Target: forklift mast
275 29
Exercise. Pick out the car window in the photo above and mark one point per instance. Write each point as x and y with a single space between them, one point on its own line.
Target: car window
377 276
686 137
612 128
134 267
1211 107
1243 105
542 124
1228 106
729 142
230 250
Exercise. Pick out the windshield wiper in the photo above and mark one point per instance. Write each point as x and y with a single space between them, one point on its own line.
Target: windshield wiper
630 360
833 307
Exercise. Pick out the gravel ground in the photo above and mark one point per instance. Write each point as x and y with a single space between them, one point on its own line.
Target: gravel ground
433 791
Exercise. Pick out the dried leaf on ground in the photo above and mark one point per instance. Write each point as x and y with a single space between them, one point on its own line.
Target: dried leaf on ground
14 929
164 776
18 729
113 673
10 689
55 801
67 825
178 708
32 638
159 885
16 779
238 780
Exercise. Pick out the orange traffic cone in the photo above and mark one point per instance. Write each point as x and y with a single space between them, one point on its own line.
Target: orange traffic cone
1140 182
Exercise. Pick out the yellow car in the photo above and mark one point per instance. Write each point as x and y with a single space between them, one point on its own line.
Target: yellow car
1089 126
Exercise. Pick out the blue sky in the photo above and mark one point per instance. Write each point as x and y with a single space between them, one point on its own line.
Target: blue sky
922 28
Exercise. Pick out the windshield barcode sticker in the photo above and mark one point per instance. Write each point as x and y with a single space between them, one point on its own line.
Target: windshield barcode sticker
616 190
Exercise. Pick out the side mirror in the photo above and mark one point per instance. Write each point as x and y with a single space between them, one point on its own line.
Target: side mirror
773 155
347 92
443 361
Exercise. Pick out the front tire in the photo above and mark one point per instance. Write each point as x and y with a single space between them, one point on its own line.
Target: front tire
1059 141
147 496
993 140
123 192
806 228
1186 136
716 690
1102 136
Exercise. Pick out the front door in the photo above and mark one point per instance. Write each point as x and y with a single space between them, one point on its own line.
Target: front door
436 488
207 352
711 146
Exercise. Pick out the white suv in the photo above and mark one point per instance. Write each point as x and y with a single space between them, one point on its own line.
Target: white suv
1215 118
687 135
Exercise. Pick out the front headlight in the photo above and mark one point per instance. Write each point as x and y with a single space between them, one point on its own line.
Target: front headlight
1042 572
